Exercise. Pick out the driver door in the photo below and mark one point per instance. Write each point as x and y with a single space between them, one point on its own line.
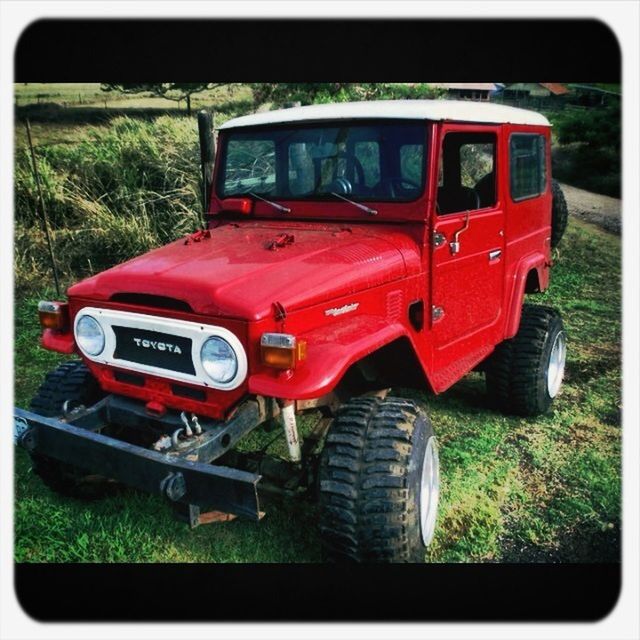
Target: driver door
467 251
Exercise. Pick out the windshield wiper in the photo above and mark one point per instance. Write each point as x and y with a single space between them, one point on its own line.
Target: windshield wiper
275 205
361 206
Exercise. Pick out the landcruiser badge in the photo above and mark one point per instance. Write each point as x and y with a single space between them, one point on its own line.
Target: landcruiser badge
338 311
158 346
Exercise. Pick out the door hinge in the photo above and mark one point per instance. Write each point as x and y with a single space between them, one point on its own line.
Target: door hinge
436 313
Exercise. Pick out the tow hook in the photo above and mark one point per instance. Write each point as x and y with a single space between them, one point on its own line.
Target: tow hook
187 430
68 411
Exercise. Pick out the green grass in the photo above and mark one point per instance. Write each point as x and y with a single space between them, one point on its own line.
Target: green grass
513 490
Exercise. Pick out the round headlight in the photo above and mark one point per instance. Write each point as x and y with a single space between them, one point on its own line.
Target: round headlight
89 335
219 360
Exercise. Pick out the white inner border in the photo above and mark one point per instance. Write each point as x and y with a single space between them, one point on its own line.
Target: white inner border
623 18
196 332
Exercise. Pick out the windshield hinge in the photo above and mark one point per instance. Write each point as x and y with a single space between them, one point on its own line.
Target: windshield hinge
279 311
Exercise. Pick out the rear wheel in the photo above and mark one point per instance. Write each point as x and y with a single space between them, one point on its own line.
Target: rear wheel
379 482
559 214
72 382
524 374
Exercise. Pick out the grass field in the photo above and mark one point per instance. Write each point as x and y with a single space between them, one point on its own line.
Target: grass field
89 94
513 490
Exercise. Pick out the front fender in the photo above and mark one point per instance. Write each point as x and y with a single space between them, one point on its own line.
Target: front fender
331 350
57 341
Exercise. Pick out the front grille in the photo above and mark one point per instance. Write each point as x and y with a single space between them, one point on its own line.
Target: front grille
162 346
154 349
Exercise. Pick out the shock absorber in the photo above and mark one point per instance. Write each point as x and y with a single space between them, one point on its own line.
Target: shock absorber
288 411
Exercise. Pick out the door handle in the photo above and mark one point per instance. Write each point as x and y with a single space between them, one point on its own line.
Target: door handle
455 245
494 255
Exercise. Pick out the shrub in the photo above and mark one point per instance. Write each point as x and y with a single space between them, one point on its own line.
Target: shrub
120 191
313 93
589 153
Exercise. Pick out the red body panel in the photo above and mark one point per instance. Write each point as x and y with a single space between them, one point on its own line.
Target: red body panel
58 341
345 282
235 274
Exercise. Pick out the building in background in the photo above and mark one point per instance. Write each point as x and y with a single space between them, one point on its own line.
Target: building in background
481 91
539 94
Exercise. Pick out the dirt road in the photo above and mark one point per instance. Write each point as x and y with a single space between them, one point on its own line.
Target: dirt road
592 207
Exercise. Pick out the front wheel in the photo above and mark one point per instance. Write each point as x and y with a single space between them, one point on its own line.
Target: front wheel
73 382
379 482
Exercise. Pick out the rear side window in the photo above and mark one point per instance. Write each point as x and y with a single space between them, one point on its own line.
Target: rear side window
528 165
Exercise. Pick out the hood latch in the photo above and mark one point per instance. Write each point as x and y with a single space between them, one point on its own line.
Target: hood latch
281 241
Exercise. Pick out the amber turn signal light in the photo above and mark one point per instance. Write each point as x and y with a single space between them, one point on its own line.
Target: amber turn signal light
281 350
53 315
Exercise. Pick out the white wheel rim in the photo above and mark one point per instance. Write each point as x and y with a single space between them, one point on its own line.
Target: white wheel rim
555 368
429 490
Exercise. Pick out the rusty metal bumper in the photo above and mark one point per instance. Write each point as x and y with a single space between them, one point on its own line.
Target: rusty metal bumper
178 479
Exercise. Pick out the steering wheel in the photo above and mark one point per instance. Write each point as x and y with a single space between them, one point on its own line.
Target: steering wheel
357 165
400 181
340 185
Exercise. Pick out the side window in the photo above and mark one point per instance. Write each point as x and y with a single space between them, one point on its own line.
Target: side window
476 161
527 165
467 172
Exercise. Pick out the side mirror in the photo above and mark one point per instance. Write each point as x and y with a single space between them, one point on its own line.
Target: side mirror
207 154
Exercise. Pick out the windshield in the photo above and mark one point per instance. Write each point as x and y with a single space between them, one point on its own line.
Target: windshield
382 161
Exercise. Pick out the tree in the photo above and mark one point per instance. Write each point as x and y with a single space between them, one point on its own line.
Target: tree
176 91
310 93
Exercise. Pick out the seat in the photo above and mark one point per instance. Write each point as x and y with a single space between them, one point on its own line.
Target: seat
486 189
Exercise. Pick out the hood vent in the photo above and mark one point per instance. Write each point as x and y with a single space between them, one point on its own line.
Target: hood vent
150 300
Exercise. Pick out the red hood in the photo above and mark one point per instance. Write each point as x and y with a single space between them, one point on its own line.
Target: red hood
235 274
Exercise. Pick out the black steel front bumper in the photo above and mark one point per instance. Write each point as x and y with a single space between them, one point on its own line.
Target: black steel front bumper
184 476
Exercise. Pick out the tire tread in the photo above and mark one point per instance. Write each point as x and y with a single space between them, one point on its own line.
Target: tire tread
376 523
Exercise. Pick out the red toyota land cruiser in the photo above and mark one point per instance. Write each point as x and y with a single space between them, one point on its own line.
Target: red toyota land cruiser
348 249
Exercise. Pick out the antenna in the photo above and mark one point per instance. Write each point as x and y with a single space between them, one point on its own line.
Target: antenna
43 210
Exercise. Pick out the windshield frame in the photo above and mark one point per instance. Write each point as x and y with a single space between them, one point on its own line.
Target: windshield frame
324 197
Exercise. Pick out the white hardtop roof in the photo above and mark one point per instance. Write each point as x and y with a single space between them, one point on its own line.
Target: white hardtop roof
453 110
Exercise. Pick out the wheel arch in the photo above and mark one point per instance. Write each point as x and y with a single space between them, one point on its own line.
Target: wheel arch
395 364
531 276
337 356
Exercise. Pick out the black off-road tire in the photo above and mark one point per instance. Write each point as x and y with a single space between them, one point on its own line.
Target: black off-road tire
369 482
559 214
516 373
71 381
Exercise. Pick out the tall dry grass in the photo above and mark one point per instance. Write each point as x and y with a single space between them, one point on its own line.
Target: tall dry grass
115 193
